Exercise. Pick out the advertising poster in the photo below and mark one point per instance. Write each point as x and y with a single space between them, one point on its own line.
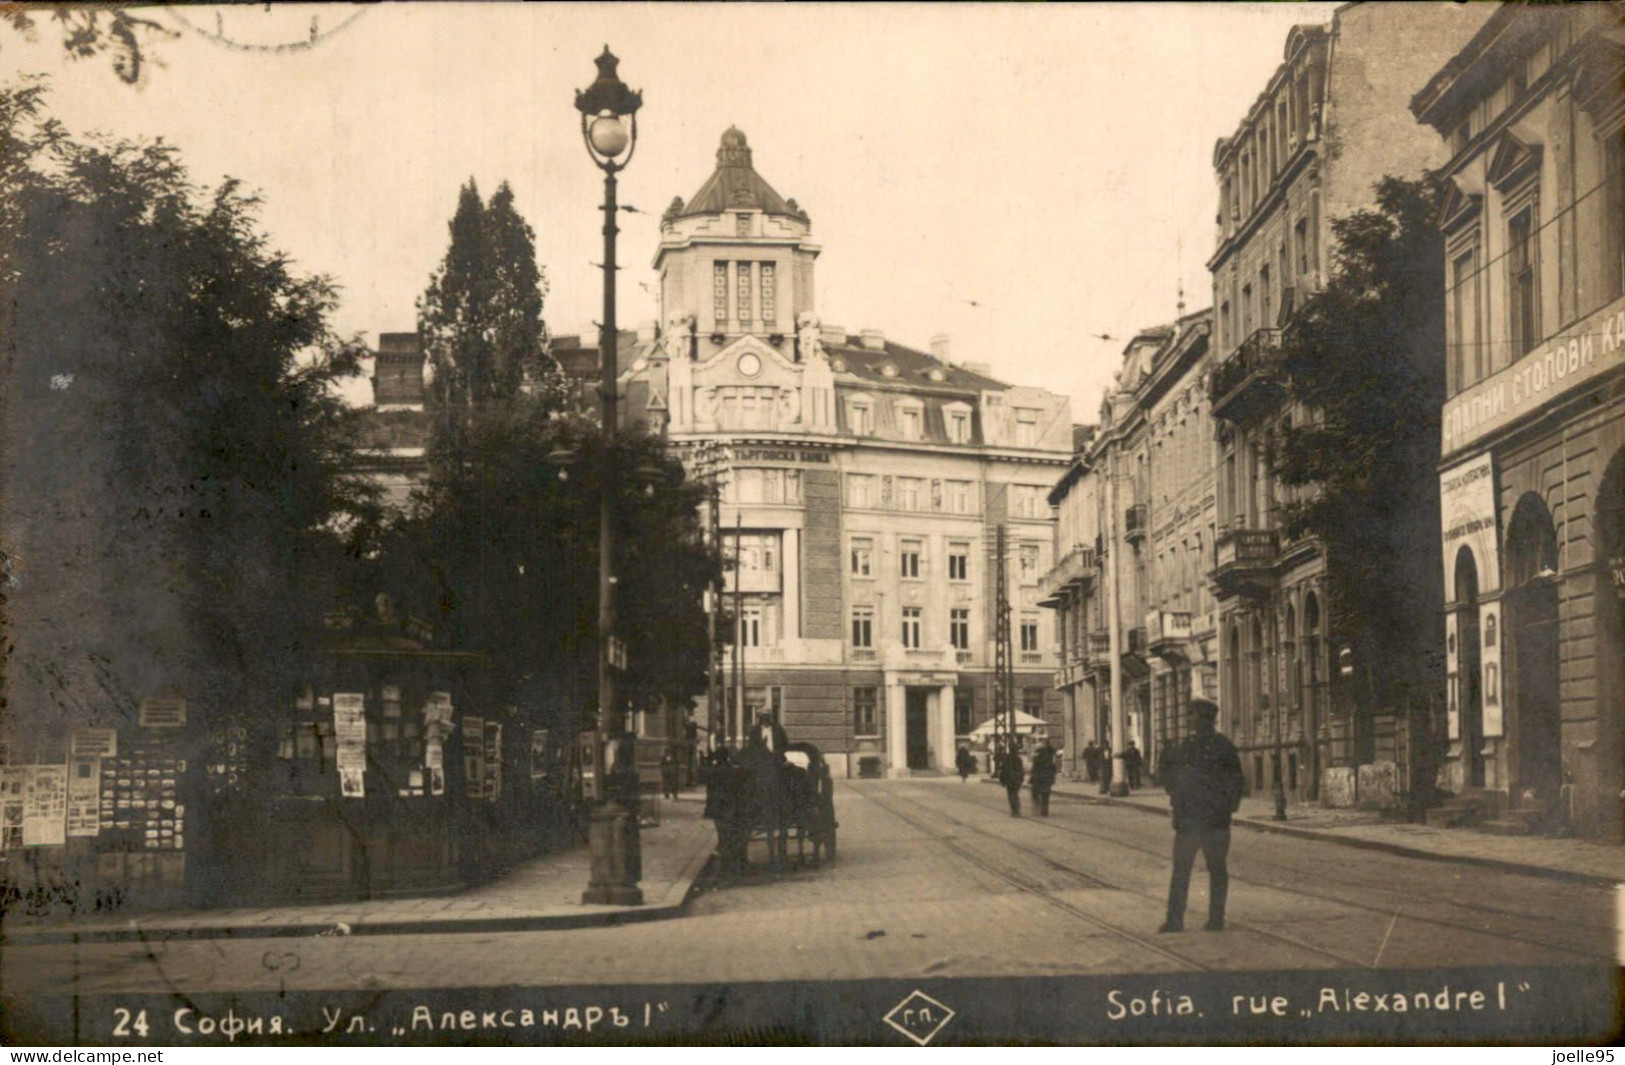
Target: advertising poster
93 743
493 761
350 736
474 757
434 763
13 782
84 796
45 806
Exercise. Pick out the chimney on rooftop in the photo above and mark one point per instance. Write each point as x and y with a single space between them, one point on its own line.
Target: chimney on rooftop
874 339
977 367
939 348
646 331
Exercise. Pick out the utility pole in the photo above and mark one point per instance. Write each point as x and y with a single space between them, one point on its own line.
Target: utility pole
1114 635
1004 717
736 716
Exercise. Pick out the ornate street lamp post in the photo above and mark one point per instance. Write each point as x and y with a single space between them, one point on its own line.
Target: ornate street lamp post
609 128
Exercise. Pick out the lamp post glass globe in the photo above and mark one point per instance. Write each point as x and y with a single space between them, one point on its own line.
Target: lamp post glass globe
608 135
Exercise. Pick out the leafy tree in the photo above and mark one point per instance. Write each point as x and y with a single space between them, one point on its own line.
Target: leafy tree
171 476
1366 358
512 550
90 30
481 317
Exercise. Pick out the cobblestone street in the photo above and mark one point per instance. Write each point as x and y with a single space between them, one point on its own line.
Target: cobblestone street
935 879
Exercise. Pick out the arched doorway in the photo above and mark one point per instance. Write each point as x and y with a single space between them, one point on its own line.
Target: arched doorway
1469 671
1610 746
1530 645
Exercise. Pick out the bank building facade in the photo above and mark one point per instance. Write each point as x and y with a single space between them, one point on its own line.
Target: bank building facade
861 485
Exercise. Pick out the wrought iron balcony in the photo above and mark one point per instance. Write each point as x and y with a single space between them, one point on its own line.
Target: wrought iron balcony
1250 379
1075 569
1244 561
1135 521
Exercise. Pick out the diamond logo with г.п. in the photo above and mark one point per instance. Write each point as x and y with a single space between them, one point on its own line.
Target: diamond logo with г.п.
920 1017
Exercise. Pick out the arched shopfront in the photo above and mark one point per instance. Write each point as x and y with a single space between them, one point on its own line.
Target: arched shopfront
1531 649
1469 670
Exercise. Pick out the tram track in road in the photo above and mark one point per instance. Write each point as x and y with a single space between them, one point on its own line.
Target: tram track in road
1605 933
1157 946
1029 887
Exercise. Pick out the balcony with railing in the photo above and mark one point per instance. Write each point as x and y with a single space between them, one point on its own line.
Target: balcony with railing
1075 569
1168 632
1136 521
1250 379
1244 561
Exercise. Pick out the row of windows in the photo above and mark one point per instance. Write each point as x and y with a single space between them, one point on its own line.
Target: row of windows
755 289
909 418
1265 298
1584 284
866 706
913 621
911 558
1264 151
865 490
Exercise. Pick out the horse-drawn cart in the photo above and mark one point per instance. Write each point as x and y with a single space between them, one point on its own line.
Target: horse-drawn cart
774 797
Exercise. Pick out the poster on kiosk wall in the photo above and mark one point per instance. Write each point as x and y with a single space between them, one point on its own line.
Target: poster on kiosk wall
350 732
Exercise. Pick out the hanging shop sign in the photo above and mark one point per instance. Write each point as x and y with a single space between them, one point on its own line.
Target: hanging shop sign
84 796
45 806
350 738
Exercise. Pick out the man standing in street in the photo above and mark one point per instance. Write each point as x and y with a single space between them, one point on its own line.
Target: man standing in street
1091 761
1205 785
1132 763
1043 777
1011 774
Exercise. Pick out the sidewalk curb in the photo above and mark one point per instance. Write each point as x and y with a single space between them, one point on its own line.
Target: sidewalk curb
1399 849
671 904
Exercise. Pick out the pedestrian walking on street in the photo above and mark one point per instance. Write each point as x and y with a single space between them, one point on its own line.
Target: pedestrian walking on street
1043 778
668 775
1091 761
1105 768
1205 785
965 763
1011 775
1133 762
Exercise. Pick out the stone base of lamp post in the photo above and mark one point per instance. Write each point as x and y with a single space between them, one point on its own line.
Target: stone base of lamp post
612 839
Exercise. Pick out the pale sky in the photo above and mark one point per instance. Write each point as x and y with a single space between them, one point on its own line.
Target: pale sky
1017 176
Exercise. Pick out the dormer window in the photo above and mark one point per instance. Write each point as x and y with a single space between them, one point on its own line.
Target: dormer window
1026 427
888 370
860 416
742 224
910 419
956 418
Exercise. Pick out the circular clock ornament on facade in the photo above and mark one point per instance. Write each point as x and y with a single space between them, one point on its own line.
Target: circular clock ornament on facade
749 364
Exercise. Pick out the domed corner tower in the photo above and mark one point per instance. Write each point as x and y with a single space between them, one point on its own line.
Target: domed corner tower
737 258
